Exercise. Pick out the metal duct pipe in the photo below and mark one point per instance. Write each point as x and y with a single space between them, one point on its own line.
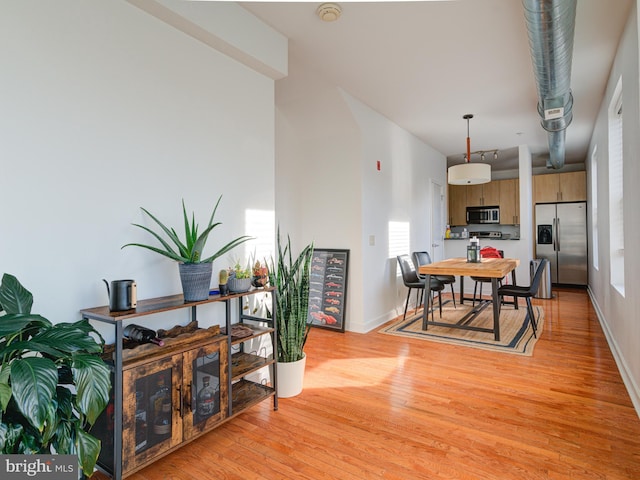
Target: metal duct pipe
550 24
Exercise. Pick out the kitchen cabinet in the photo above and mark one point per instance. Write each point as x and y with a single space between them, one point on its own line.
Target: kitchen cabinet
509 201
485 194
165 396
463 196
457 205
560 187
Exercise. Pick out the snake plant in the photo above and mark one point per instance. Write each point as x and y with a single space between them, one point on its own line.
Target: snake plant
290 277
190 250
53 382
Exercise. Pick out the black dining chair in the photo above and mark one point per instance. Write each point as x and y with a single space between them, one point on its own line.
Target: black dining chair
524 292
412 280
423 258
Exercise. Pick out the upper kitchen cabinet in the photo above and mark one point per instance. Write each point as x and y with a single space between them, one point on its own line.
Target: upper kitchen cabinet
560 187
485 194
509 201
457 205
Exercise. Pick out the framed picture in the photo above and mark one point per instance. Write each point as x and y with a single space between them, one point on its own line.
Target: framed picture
328 288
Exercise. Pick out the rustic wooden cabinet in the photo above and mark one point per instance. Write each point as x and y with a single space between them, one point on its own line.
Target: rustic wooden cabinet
163 397
509 201
560 187
457 205
191 386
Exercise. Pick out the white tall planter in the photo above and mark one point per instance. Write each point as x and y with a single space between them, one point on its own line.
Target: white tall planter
290 377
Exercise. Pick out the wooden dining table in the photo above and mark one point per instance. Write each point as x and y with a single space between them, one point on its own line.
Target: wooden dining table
494 268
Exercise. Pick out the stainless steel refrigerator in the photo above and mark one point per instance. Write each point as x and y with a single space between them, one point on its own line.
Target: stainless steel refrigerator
561 238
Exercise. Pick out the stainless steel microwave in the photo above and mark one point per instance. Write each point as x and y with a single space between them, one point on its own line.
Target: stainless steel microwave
483 215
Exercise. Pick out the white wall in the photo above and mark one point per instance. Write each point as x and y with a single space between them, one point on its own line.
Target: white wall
619 315
399 192
106 109
329 191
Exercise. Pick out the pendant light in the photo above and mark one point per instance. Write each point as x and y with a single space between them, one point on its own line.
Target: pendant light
469 173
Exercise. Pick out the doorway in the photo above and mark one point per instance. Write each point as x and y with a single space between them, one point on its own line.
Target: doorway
437 222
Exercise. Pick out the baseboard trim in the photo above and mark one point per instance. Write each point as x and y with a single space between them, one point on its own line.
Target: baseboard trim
627 378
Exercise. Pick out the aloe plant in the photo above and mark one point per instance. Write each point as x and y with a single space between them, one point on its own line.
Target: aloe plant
191 249
290 277
53 382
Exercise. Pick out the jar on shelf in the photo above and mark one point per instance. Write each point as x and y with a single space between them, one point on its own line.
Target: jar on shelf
206 398
162 423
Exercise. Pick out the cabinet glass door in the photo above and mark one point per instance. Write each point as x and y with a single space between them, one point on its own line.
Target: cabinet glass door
205 378
152 422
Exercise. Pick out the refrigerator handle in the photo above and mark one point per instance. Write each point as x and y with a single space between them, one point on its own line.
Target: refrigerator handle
555 235
558 234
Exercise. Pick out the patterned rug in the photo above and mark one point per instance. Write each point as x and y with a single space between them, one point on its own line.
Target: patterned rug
516 334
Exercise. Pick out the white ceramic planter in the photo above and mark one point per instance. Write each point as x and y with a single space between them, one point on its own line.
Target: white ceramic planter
290 377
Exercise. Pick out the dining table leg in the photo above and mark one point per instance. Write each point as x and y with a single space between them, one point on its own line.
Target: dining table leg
427 301
513 282
496 310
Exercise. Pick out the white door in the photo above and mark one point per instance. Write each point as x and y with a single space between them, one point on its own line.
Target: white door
437 222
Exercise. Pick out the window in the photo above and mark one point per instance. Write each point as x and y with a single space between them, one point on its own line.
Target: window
399 234
616 203
594 207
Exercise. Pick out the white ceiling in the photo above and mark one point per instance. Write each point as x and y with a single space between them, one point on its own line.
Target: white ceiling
425 64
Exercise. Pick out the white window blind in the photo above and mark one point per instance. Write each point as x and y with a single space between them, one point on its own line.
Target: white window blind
616 197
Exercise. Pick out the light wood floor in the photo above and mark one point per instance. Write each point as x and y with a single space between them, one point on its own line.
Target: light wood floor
379 407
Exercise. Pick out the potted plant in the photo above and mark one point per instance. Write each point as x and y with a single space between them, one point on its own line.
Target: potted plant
195 268
260 275
239 279
53 382
290 277
223 278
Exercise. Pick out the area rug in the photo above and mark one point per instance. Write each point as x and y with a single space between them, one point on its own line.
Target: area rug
516 334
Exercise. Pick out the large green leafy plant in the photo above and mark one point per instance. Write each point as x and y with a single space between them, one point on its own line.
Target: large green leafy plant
53 382
290 277
190 250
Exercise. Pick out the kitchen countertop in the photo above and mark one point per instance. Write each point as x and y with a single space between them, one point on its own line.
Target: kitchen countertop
485 239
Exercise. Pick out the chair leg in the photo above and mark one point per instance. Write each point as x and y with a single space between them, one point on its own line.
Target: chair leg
440 302
453 295
532 317
406 304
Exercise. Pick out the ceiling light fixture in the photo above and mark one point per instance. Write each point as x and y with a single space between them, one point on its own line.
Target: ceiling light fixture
329 12
470 173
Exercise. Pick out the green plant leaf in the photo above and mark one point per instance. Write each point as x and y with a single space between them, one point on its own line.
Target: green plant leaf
24 324
10 435
51 422
14 298
65 402
67 338
229 246
5 388
92 379
88 450
33 382
64 439
191 251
